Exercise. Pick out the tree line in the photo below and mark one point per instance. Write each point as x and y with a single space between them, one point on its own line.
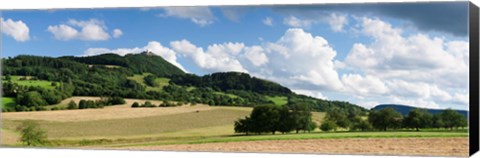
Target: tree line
389 118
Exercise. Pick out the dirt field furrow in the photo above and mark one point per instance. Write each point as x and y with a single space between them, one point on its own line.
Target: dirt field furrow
368 146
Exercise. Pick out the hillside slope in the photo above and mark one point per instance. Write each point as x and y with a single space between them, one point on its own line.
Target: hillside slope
112 75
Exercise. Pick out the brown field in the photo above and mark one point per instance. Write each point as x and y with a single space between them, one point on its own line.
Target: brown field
110 112
367 146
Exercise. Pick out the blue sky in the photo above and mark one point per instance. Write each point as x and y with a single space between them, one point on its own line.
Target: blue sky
368 54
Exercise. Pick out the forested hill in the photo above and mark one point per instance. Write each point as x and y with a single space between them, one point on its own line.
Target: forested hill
49 80
138 63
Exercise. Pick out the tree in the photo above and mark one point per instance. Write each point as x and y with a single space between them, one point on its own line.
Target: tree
148 104
385 118
243 125
417 119
32 134
287 121
135 105
328 125
265 118
437 121
452 119
8 77
302 117
31 99
72 105
360 124
339 117
82 104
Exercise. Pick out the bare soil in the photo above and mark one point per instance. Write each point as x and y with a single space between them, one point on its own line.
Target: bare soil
364 146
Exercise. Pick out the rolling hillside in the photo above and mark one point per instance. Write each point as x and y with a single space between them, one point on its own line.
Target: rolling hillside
144 76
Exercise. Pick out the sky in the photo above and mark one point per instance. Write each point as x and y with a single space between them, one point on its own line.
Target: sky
368 54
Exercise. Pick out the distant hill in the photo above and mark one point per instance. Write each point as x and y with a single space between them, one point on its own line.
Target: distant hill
404 109
138 63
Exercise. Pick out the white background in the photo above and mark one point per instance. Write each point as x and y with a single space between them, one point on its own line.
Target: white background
70 153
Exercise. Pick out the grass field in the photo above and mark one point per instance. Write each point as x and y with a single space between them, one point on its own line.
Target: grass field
8 102
161 82
121 127
28 82
278 100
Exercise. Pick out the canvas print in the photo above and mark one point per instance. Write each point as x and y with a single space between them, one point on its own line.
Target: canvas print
371 79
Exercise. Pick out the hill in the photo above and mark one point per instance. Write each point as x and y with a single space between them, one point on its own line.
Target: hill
143 76
404 109
138 63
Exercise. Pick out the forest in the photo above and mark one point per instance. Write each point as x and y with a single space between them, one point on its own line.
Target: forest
109 76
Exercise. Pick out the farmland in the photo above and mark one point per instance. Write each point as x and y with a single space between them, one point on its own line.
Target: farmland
198 128
8 102
28 81
160 82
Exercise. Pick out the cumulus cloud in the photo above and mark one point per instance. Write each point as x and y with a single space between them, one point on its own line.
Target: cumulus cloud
201 16
256 55
18 30
415 69
217 57
304 59
152 46
117 33
91 30
364 86
268 21
337 22
310 59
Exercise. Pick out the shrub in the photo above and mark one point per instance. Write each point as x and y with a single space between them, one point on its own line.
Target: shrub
135 105
72 105
32 134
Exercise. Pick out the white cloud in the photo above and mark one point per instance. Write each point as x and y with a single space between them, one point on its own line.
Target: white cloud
91 30
218 57
117 33
422 103
368 104
461 98
364 86
298 60
296 22
18 30
201 16
337 22
413 58
256 55
311 93
417 69
153 46
268 21
304 59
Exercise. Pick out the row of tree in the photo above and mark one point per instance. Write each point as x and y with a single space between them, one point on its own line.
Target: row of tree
389 118
270 119
149 104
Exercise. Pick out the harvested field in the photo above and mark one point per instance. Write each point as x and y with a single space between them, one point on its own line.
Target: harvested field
110 112
368 146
